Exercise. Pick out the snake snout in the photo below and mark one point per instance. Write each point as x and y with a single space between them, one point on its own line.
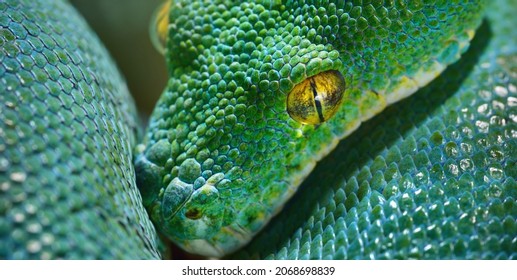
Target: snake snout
190 213
189 206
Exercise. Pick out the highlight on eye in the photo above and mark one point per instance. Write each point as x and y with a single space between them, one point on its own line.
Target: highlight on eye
159 26
316 99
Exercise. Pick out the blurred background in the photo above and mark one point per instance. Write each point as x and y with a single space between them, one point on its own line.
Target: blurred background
123 27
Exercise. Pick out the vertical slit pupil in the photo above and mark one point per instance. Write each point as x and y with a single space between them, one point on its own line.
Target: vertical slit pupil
317 101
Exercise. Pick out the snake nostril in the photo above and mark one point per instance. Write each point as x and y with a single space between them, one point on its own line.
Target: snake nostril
193 214
199 213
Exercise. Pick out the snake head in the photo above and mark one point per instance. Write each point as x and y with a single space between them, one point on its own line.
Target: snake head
258 92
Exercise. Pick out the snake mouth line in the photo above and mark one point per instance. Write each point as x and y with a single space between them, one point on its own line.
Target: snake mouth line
216 248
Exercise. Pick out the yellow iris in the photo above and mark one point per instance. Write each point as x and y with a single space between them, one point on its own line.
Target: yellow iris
317 98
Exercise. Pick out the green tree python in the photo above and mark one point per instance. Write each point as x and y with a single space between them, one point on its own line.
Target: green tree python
281 133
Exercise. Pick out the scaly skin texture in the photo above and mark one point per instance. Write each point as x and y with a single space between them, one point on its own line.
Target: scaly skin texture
431 177
221 154
67 131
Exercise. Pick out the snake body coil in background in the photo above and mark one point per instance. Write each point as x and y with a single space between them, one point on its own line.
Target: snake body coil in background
67 130
432 176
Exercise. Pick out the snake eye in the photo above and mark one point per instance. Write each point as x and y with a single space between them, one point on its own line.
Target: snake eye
159 26
317 98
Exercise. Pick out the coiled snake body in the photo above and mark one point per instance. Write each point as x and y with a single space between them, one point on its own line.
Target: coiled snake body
258 94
